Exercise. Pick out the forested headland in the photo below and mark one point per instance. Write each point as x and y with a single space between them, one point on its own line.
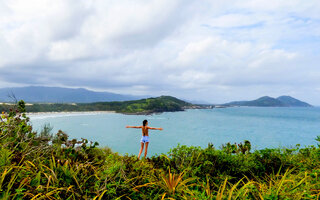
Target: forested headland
143 106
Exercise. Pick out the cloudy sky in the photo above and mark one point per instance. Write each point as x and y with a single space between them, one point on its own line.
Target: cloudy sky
214 51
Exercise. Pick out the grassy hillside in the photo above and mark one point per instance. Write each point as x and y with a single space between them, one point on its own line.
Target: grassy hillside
52 166
143 106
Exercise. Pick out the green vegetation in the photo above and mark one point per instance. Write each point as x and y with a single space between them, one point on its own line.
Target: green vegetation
143 106
45 166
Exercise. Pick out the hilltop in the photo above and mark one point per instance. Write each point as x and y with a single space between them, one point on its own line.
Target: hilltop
266 101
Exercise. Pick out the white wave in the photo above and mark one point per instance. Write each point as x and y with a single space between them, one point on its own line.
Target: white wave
40 116
157 118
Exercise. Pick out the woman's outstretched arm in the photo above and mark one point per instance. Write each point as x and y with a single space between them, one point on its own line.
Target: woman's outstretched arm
133 126
160 129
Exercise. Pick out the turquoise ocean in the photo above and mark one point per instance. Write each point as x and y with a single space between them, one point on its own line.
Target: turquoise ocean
263 127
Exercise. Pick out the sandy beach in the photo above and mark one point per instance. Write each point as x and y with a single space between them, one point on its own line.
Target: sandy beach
68 113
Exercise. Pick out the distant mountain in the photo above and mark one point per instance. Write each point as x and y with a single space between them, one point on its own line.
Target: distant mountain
61 95
266 101
292 102
198 102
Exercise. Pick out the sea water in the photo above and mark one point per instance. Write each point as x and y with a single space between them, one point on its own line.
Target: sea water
263 127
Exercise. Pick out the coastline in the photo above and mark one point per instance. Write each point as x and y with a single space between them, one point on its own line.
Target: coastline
148 112
68 112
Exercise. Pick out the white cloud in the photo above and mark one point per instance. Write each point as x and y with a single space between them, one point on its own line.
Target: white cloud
215 50
235 20
269 58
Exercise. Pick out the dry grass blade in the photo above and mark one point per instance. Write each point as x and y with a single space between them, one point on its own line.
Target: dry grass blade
48 195
3 176
144 185
11 182
282 181
221 189
300 182
35 197
164 194
233 188
207 188
99 197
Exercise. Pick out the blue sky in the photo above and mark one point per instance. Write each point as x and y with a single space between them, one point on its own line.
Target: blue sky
214 51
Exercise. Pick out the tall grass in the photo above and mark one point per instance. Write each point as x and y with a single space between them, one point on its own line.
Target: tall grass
52 166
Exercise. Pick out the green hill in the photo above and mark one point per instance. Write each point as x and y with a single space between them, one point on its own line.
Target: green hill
143 106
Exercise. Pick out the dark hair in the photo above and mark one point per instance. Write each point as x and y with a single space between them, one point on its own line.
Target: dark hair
144 122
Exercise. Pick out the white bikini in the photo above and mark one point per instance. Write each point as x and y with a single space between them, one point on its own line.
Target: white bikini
144 139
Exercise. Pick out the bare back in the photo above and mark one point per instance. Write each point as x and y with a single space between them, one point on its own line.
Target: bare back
145 131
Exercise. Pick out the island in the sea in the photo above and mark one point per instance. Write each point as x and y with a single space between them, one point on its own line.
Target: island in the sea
266 101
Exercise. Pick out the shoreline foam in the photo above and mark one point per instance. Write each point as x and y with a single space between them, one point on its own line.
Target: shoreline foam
68 113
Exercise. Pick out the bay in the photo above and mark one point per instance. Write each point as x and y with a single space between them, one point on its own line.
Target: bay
263 127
